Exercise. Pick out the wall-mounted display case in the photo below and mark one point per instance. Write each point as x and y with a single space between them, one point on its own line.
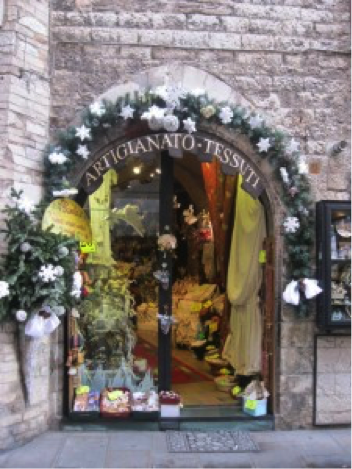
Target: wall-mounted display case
334 264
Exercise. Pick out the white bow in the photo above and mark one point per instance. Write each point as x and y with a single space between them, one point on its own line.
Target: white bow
292 291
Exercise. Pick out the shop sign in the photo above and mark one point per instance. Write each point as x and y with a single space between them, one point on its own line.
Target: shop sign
176 143
66 217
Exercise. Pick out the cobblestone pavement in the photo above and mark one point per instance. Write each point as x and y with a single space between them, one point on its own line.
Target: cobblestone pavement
144 449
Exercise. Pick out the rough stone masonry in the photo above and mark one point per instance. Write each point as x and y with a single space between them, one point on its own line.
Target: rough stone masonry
289 58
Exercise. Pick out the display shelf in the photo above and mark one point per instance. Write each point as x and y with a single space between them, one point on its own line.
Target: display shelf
334 264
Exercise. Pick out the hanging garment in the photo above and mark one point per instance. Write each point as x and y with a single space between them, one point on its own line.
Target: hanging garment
243 344
99 205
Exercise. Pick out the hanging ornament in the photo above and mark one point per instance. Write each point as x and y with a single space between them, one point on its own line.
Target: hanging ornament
163 276
166 321
284 175
83 133
127 112
25 247
21 315
189 216
302 166
59 271
63 251
167 242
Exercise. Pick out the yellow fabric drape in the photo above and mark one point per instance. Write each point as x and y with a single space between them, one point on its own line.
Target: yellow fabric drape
243 344
99 206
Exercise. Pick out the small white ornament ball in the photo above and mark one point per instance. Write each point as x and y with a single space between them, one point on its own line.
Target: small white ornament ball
59 271
63 251
155 123
25 247
21 315
171 123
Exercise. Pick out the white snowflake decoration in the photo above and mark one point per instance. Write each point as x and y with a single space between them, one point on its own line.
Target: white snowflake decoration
83 151
21 315
83 133
291 224
25 205
263 145
97 109
255 122
189 125
171 94
292 147
171 123
65 192
4 289
57 158
226 115
47 273
127 112
284 175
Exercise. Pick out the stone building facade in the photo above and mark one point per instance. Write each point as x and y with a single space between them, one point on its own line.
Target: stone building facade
287 59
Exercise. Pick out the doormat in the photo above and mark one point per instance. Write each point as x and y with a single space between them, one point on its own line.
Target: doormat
221 441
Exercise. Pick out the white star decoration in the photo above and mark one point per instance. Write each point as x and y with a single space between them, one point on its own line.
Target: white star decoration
189 125
127 112
226 115
255 121
97 109
263 145
291 224
153 112
83 151
292 147
83 133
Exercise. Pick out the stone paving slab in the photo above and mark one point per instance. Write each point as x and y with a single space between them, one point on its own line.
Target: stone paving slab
129 449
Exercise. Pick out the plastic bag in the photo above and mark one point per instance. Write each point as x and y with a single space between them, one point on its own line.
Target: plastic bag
51 323
35 327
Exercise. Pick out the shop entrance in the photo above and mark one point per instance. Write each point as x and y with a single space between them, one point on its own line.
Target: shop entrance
116 340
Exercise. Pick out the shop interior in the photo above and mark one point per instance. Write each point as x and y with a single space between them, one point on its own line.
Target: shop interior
216 282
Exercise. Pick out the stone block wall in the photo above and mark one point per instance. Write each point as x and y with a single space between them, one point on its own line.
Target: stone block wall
333 387
24 131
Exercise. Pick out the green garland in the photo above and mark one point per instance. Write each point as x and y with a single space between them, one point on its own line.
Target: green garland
295 191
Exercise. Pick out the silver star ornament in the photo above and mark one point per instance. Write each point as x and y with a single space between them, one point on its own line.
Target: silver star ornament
127 112
83 133
263 145
97 109
83 151
292 147
255 122
189 125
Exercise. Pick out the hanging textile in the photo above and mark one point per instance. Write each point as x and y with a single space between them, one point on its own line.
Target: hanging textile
243 344
220 191
99 206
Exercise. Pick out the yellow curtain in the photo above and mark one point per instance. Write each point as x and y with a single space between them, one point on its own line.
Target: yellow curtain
99 206
243 344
